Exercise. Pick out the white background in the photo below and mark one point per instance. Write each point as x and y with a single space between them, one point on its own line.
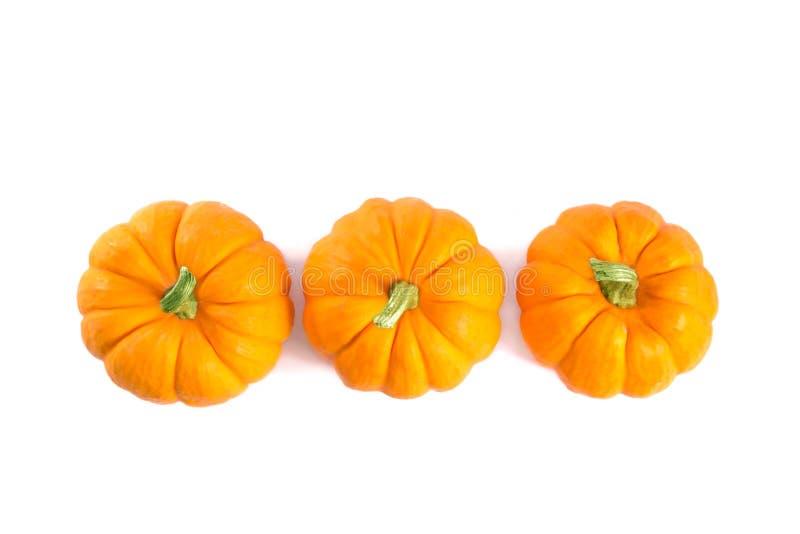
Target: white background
506 112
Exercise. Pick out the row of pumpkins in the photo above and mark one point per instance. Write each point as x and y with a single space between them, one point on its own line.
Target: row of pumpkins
190 303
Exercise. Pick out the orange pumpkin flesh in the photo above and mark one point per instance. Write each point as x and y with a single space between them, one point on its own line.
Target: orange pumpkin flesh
402 298
225 332
605 336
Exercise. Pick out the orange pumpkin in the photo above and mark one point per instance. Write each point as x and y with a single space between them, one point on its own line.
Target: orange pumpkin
402 298
616 300
185 303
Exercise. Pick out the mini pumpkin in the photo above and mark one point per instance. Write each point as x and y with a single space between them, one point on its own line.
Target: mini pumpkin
402 298
185 303
616 300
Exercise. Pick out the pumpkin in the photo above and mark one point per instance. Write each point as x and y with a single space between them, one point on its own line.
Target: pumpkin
402 298
185 303
616 300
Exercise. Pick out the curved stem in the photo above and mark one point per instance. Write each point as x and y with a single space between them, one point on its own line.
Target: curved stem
402 296
180 299
618 282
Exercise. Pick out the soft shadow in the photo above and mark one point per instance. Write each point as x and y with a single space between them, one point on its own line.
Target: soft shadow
511 260
298 354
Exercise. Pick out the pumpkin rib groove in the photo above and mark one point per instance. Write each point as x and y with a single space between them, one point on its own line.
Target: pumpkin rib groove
353 339
223 327
231 253
237 332
116 308
397 267
333 241
135 278
530 251
556 299
436 326
395 242
425 363
575 339
672 301
271 296
567 267
658 233
147 252
148 286
651 275
671 346
222 360
692 267
645 324
130 333
589 391
698 268
489 308
666 340
436 269
360 244
453 346
177 365
445 263
174 242
385 373
650 296
574 234
616 231
380 255
638 254
422 245
625 373
389 359
144 288
460 303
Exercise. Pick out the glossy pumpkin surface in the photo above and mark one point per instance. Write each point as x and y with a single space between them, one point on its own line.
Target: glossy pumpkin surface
616 300
402 298
185 303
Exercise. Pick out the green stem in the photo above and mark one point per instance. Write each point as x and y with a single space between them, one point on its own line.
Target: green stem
180 299
617 281
402 296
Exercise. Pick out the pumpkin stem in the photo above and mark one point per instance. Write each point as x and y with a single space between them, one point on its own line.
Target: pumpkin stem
402 296
179 299
617 281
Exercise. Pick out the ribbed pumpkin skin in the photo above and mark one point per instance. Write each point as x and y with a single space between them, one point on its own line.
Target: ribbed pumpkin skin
243 314
600 349
347 278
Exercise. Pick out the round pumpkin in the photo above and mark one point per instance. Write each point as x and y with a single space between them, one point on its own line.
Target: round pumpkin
402 298
185 303
616 300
